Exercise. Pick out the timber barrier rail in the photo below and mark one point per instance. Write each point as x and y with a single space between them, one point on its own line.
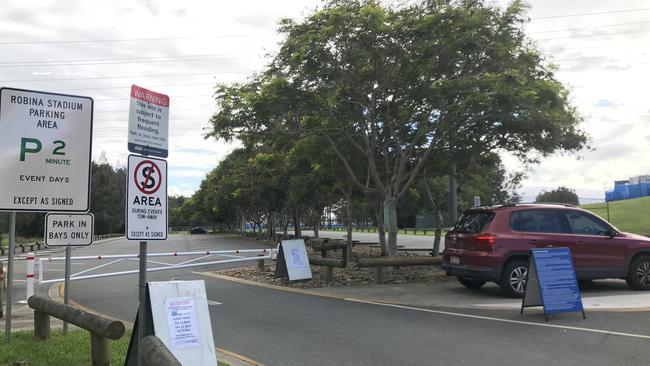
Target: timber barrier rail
155 353
101 329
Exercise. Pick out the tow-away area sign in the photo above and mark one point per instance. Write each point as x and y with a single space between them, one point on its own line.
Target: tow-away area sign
146 215
71 229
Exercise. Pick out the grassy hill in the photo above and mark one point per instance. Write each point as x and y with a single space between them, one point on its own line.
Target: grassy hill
628 215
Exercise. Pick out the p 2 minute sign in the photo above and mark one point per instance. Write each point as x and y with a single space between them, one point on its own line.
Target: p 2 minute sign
146 216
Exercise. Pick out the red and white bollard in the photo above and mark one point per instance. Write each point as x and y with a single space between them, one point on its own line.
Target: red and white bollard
29 277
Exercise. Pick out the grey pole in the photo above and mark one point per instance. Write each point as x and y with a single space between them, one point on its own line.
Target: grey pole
10 273
66 289
453 194
142 284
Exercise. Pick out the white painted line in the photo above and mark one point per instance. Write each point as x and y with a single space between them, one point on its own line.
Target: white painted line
212 302
600 331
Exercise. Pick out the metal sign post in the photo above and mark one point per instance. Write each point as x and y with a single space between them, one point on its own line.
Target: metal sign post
68 230
142 287
146 208
66 284
45 147
10 273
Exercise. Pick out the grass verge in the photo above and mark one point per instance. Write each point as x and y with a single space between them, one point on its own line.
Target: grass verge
627 215
70 350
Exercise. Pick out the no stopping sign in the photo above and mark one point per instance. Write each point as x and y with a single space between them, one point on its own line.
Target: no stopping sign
147 177
146 216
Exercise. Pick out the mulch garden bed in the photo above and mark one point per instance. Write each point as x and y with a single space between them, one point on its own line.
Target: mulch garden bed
347 276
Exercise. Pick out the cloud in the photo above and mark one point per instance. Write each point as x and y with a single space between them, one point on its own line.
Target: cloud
178 191
150 6
617 67
181 13
256 20
604 103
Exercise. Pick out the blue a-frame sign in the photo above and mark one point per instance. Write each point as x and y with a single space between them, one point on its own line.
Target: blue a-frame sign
552 282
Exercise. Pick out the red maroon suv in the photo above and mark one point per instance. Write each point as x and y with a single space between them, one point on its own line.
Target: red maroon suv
493 243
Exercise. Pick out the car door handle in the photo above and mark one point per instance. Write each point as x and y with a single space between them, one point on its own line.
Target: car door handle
580 242
534 242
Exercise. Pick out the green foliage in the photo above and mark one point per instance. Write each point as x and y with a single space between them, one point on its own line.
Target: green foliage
107 198
559 195
381 89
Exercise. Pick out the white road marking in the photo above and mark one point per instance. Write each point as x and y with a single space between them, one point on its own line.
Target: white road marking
565 327
212 302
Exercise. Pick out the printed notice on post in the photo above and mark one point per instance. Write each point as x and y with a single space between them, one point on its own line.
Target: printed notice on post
181 319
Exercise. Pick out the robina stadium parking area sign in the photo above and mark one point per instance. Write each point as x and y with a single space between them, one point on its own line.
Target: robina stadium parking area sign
45 149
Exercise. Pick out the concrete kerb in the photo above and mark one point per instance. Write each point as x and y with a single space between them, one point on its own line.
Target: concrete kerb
56 291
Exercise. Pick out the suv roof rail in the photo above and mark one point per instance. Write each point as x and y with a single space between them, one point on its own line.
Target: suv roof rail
521 204
538 203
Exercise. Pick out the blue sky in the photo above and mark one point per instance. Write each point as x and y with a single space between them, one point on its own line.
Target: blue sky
182 49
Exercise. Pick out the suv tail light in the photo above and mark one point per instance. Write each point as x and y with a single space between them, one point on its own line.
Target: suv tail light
484 241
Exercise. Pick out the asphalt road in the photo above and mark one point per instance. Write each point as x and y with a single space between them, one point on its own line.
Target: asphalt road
282 328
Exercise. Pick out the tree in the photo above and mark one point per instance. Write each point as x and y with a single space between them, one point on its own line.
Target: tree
559 195
108 198
396 84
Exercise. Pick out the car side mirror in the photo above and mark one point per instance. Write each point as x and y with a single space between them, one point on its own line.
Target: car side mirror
612 233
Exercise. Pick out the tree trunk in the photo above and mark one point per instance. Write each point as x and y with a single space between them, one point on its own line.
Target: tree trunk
379 214
438 232
317 225
296 224
348 217
390 207
329 216
453 192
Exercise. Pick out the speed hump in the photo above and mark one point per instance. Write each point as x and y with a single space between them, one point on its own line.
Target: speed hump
146 201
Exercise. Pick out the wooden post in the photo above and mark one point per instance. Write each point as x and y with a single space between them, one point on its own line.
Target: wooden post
156 353
379 275
329 274
41 325
2 287
260 262
100 350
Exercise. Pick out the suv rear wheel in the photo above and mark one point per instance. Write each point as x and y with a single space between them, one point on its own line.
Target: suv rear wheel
513 278
638 276
470 282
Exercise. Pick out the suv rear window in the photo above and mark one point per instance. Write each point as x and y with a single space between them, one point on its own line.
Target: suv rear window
539 221
473 222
